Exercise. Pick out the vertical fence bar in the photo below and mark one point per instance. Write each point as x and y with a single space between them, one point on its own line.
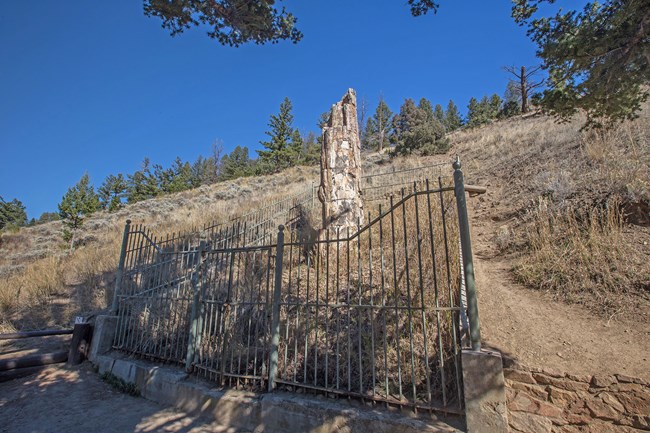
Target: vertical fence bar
120 266
468 264
277 292
196 317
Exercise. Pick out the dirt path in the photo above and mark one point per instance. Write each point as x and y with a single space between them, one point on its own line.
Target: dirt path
540 332
76 400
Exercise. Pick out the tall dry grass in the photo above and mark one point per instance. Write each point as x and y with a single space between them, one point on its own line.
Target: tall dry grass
580 255
573 206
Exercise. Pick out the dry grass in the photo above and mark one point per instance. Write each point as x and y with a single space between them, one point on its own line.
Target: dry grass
580 255
42 285
574 206
519 160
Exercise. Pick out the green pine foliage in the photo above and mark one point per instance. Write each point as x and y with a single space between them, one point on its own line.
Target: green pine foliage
77 204
416 129
484 111
453 119
48 217
596 58
231 22
311 150
283 150
237 164
142 184
511 100
439 114
379 126
112 191
12 214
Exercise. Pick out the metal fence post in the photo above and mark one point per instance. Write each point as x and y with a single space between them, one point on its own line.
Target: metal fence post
196 318
275 327
120 266
468 264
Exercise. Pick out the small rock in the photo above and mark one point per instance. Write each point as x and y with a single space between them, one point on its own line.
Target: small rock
602 381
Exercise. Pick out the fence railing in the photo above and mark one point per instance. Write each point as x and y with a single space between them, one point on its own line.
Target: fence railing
380 186
371 312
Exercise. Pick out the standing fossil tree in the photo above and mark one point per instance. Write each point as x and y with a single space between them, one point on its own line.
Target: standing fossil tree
340 184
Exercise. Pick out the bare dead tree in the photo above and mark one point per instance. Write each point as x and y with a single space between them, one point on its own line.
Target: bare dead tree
524 85
362 121
217 153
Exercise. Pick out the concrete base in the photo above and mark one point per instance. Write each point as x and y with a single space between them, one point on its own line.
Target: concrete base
103 334
485 393
269 413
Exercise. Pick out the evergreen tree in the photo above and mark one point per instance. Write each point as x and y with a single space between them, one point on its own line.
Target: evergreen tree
495 105
474 115
511 100
180 176
379 126
439 114
311 150
483 111
112 191
453 119
142 184
77 204
12 214
425 105
47 217
203 172
414 129
597 58
237 164
281 153
296 146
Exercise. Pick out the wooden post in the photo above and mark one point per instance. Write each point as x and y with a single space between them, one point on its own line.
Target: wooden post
80 344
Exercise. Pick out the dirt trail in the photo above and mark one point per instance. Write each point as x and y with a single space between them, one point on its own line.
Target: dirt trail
538 331
76 400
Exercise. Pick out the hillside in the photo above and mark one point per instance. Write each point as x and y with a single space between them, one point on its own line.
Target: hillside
562 241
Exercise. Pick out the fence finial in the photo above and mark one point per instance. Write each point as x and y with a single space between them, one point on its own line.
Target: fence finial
456 164
281 227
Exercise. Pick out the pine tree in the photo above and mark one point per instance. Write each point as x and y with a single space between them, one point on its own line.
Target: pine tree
77 204
597 58
439 114
425 105
112 191
483 111
495 105
142 184
473 113
378 126
12 214
296 148
414 129
280 153
237 164
511 100
311 150
180 176
453 119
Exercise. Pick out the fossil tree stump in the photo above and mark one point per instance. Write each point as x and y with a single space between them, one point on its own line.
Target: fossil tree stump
340 164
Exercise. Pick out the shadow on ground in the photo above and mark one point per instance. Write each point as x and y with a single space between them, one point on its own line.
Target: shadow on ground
75 400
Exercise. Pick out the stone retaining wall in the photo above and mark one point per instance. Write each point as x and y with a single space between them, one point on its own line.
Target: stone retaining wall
541 400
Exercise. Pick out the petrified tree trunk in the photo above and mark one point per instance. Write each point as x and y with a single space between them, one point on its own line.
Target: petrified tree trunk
340 163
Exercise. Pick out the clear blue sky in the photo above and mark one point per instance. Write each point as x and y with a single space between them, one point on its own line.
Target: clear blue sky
97 86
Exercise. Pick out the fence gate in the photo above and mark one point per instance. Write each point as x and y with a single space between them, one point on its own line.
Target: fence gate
372 311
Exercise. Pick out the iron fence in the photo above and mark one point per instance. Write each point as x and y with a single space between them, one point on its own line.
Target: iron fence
380 186
371 312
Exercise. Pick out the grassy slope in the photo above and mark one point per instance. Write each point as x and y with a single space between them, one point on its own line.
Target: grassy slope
545 182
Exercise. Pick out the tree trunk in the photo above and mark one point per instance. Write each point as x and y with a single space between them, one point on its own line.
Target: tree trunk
340 187
524 91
